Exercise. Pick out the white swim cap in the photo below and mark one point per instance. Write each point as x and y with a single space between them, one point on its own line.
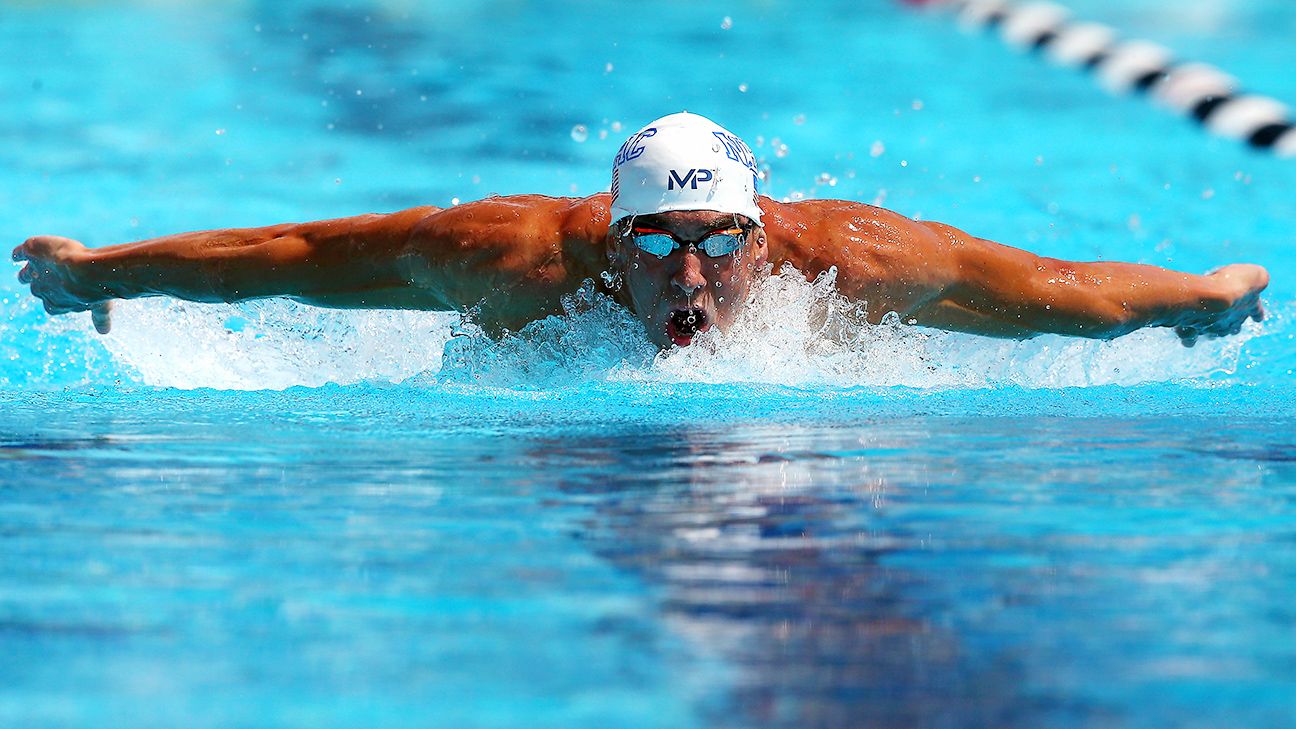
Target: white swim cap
684 162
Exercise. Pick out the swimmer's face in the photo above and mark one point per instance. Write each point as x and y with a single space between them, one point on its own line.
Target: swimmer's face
687 291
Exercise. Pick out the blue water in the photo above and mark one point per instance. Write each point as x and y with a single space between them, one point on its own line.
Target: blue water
269 515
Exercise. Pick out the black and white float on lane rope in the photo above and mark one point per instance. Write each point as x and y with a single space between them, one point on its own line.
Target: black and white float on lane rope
1200 91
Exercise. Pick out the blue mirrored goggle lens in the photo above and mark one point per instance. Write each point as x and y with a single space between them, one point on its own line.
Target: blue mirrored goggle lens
721 244
714 245
658 244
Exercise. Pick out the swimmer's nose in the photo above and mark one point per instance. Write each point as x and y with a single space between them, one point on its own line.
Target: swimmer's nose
689 276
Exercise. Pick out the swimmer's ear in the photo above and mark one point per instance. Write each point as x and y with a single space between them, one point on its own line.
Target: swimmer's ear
760 247
616 245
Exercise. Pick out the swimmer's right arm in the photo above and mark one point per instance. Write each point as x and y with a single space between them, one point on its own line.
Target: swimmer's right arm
421 258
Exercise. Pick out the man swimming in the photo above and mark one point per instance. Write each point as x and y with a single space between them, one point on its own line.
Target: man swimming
681 236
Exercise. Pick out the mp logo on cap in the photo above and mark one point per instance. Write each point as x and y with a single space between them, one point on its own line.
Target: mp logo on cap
691 177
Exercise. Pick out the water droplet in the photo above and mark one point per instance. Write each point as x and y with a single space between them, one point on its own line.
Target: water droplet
611 280
877 150
721 299
742 88
727 23
798 119
579 133
607 68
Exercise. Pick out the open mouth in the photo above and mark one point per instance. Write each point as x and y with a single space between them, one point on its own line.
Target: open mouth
684 324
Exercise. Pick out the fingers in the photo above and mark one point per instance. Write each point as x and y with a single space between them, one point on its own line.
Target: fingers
1259 313
27 274
101 316
19 253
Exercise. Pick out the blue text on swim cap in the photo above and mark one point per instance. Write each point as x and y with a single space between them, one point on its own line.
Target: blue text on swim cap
633 146
737 150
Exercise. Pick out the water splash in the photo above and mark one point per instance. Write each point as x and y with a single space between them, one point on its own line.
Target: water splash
272 344
797 333
805 333
593 338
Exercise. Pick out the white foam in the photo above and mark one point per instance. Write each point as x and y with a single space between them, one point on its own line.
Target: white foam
803 333
781 341
272 344
796 333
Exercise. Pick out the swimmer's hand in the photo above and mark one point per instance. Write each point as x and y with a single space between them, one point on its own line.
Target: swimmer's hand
52 272
1238 299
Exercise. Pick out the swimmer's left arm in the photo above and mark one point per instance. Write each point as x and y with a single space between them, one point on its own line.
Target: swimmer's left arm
997 290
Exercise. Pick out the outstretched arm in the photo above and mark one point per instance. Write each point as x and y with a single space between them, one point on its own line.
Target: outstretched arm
939 276
1002 291
510 253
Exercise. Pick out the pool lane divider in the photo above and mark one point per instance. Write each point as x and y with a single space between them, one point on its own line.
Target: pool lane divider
1199 91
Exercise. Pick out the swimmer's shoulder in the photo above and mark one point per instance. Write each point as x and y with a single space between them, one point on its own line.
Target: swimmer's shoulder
834 223
529 215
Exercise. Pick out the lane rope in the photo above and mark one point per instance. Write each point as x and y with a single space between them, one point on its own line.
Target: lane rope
1199 91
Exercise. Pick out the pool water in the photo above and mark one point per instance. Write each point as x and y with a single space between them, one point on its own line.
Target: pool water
266 514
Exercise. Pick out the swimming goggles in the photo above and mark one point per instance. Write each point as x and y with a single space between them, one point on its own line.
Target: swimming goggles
660 243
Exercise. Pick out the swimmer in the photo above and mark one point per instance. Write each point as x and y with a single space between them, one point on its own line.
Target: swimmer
679 241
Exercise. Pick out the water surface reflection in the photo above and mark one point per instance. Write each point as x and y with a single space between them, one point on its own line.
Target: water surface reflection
772 553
